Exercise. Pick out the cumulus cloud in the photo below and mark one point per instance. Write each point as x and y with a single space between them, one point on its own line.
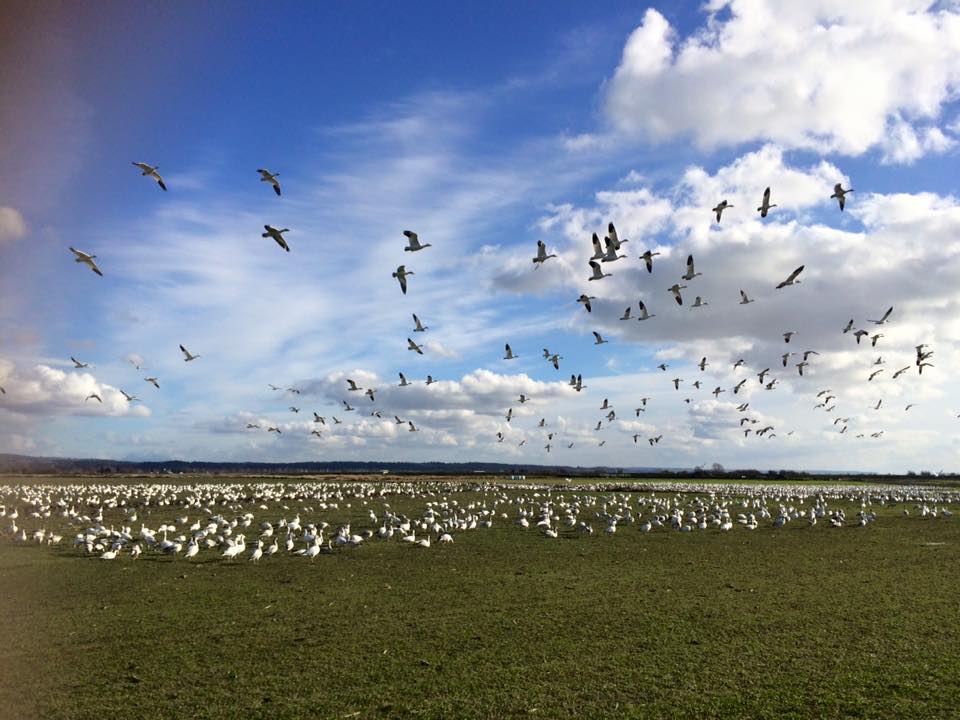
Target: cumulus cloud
826 76
12 225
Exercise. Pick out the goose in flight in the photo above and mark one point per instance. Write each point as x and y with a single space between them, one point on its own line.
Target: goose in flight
610 254
411 345
791 278
644 315
401 276
91 396
736 388
703 363
598 339
336 420
606 404
274 429
509 416
417 325
900 372
675 289
542 256
295 391
413 428
523 398
508 353
874 338
277 235
907 408
663 366
717 390
762 374
77 365
647 258
347 407
849 327
614 238
699 302
883 320
874 374
585 299
785 357
251 426
838 193
153 381
294 409
578 386
267 176
744 300
721 206
923 365
413 242
555 359
789 334
370 394
598 251
151 172
598 274
626 314
272 386
319 418
765 205
676 383
403 380
738 363
82 257
187 356
315 432
879 403
352 386
801 365
429 380
690 274
808 353
128 396
859 334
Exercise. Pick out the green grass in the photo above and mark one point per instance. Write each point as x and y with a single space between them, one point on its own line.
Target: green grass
796 622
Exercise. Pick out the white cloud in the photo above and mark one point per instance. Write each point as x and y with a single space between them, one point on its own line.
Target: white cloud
832 77
12 225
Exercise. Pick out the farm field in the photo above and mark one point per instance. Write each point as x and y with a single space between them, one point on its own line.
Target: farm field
789 622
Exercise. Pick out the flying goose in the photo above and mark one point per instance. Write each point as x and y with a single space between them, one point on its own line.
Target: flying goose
644 315
336 420
347 407
744 300
509 416
128 396
82 257
838 193
647 258
92 396
765 205
429 380
675 289
598 339
721 206
294 409
801 365
786 356
401 276
187 356
598 274
699 302
413 242
417 325
555 359
251 426
585 299
509 353
736 388
542 256
849 327
900 372
626 314
413 428
792 278
403 380
789 334
315 432
883 320
267 176
874 338
523 398
613 237
598 251
808 353
859 334
610 254
319 418
277 235
874 374
274 429
151 172
153 381
411 345
690 274
703 363
352 386
77 365
370 394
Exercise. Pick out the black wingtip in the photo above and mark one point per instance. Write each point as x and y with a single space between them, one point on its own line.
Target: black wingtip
276 190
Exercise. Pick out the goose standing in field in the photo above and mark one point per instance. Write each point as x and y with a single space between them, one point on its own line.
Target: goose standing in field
151 172
585 299
77 365
599 339
883 320
82 257
187 356
690 274
267 176
838 193
411 345
598 273
644 315
765 205
791 278
417 325
153 381
277 235
721 206
542 256
675 289
413 242
647 258
401 276
508 353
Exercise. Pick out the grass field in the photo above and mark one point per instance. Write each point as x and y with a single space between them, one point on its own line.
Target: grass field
792 622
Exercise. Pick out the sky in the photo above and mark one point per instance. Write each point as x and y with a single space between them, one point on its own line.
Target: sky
483 127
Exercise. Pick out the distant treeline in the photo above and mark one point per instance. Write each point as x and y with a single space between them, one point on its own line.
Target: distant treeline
27 465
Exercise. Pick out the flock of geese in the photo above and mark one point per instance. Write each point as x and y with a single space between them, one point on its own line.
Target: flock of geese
607 252
261 520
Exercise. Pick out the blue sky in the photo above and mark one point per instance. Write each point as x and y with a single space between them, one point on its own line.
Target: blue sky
484 128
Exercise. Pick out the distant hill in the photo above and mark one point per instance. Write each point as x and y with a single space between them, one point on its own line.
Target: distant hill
28 465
